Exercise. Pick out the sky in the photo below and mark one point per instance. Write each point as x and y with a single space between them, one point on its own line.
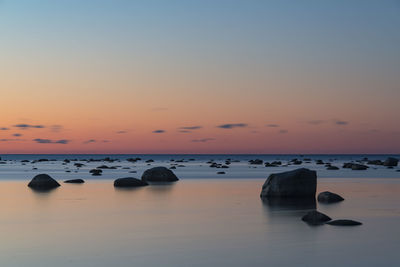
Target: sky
237 76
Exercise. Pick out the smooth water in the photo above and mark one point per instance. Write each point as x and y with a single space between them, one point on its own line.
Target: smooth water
195 222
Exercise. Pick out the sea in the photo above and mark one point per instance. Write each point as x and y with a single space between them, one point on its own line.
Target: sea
204 219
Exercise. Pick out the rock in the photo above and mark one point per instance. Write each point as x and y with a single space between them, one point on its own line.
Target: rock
79 165
96 172
332 168
375 162
329 197
74 181
297 183
255 161
149 160
129 182
344 223
43 182
355 166
320 162
391 162
220 172
315 218
159 174
358 167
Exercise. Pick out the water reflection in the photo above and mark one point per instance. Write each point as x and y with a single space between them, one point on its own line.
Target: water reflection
295 204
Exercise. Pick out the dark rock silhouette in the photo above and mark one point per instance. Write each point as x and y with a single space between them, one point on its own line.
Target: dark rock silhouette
96 172
255 161
329 197
74 181
391 162
297 183
332 168
159 174
344 223
355 166
129 182
220 172
43 182
315 218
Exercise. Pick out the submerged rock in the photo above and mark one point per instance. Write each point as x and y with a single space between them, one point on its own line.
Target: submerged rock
43 182
332 168
159 174
297 183
74 181
344 223
315 218
329 197
129 182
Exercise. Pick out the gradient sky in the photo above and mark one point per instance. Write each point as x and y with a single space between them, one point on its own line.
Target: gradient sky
186 76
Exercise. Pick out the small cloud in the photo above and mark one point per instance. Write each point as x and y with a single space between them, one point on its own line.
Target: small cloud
121 132
273 125
56 128
184 131
105 141
4 129
338 122
203 140
191 128
232 125
48 141
10 140
62 141
28 126
90 141
316 122
159 131
17 134
283 131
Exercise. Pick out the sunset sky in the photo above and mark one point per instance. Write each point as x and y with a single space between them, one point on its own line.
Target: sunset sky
187 76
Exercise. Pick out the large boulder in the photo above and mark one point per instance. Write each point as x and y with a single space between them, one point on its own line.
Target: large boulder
329 197
129 182
315 218
43 182
391 162
292 184
159 174
344 223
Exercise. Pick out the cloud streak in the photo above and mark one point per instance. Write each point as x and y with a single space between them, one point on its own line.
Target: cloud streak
159 131
203 140
232 125
341 123
4 129
49 141
28 126
272 125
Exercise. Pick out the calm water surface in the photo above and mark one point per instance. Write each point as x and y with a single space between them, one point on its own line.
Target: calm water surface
219 222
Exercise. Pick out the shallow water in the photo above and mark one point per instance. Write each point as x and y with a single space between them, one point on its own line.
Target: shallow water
195 222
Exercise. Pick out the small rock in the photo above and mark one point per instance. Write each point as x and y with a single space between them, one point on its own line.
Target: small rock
329 197
315 218
75 181
129 182
344 223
